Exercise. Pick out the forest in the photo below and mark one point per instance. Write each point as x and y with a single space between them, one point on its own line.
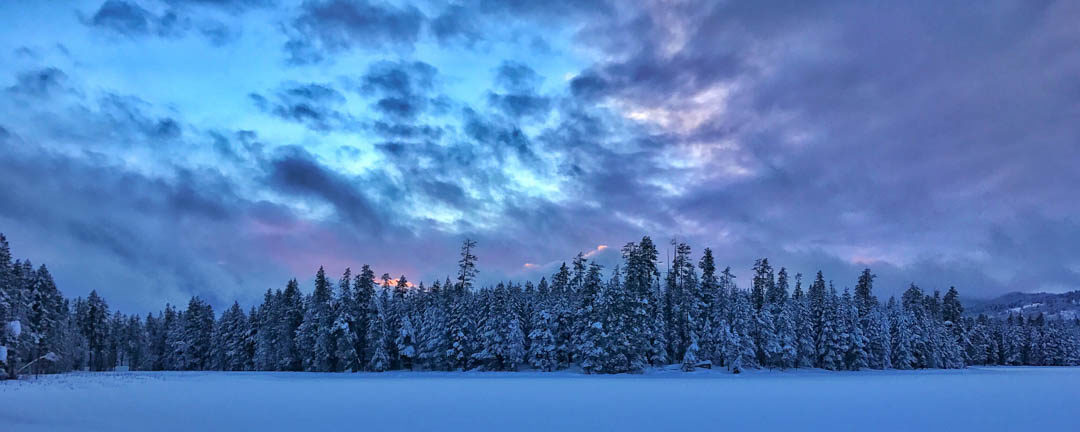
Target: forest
626 319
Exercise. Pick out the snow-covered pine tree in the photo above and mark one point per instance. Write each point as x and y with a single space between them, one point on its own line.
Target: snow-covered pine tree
266 342
377 335
291 309
345 311
542 349
561 307
95 328
432 343
855 357
878 348
901 337
786 337
832 333
745 349
864 293
817 300
406 343
460 329
364 293
197 334
804 330
44 316
710 298
590 349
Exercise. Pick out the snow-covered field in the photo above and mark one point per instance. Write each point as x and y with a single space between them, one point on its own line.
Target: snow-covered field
977 399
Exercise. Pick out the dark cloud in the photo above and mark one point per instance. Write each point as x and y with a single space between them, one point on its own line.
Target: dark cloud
111 226
129 114
521 100
217 32
517 77
456 24
129 19
500 138
401 89
313 105
296 172
521 105
230 5
39 83
327 27
834 128
396 130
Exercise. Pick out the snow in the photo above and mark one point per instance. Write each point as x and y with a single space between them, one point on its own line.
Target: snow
15 328
983 399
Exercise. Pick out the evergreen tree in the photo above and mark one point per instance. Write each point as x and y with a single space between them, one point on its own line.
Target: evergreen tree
94 328
364 293
951 307
198 331
377 335
855 356
864 296
291 316
406 343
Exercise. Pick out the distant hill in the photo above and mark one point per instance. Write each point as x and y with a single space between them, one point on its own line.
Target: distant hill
1065 305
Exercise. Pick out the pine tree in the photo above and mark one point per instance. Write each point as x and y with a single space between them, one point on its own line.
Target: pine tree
590 347
832 336
818 317
95 329
432 341
542 353
344 326
466 267
645 326
901 337
266 339
460 332
406 343
951 307
198 331
804 330
855 356
787 337
291 316
879 343
377 335
864 296
711 304
364 293
745 348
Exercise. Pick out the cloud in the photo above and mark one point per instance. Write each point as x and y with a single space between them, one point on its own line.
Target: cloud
313 105
296 172
332 26
129 19
401 88
39 83
823 136
456 24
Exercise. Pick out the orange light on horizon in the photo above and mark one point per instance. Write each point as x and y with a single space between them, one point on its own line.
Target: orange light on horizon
598 249
393 283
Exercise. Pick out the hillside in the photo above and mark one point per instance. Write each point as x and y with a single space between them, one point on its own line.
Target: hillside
1064 305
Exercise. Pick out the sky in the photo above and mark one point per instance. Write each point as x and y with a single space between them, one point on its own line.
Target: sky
157 149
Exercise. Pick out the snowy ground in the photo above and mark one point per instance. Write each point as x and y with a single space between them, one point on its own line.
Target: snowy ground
978 399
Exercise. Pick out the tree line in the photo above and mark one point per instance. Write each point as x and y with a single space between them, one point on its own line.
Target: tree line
628 319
